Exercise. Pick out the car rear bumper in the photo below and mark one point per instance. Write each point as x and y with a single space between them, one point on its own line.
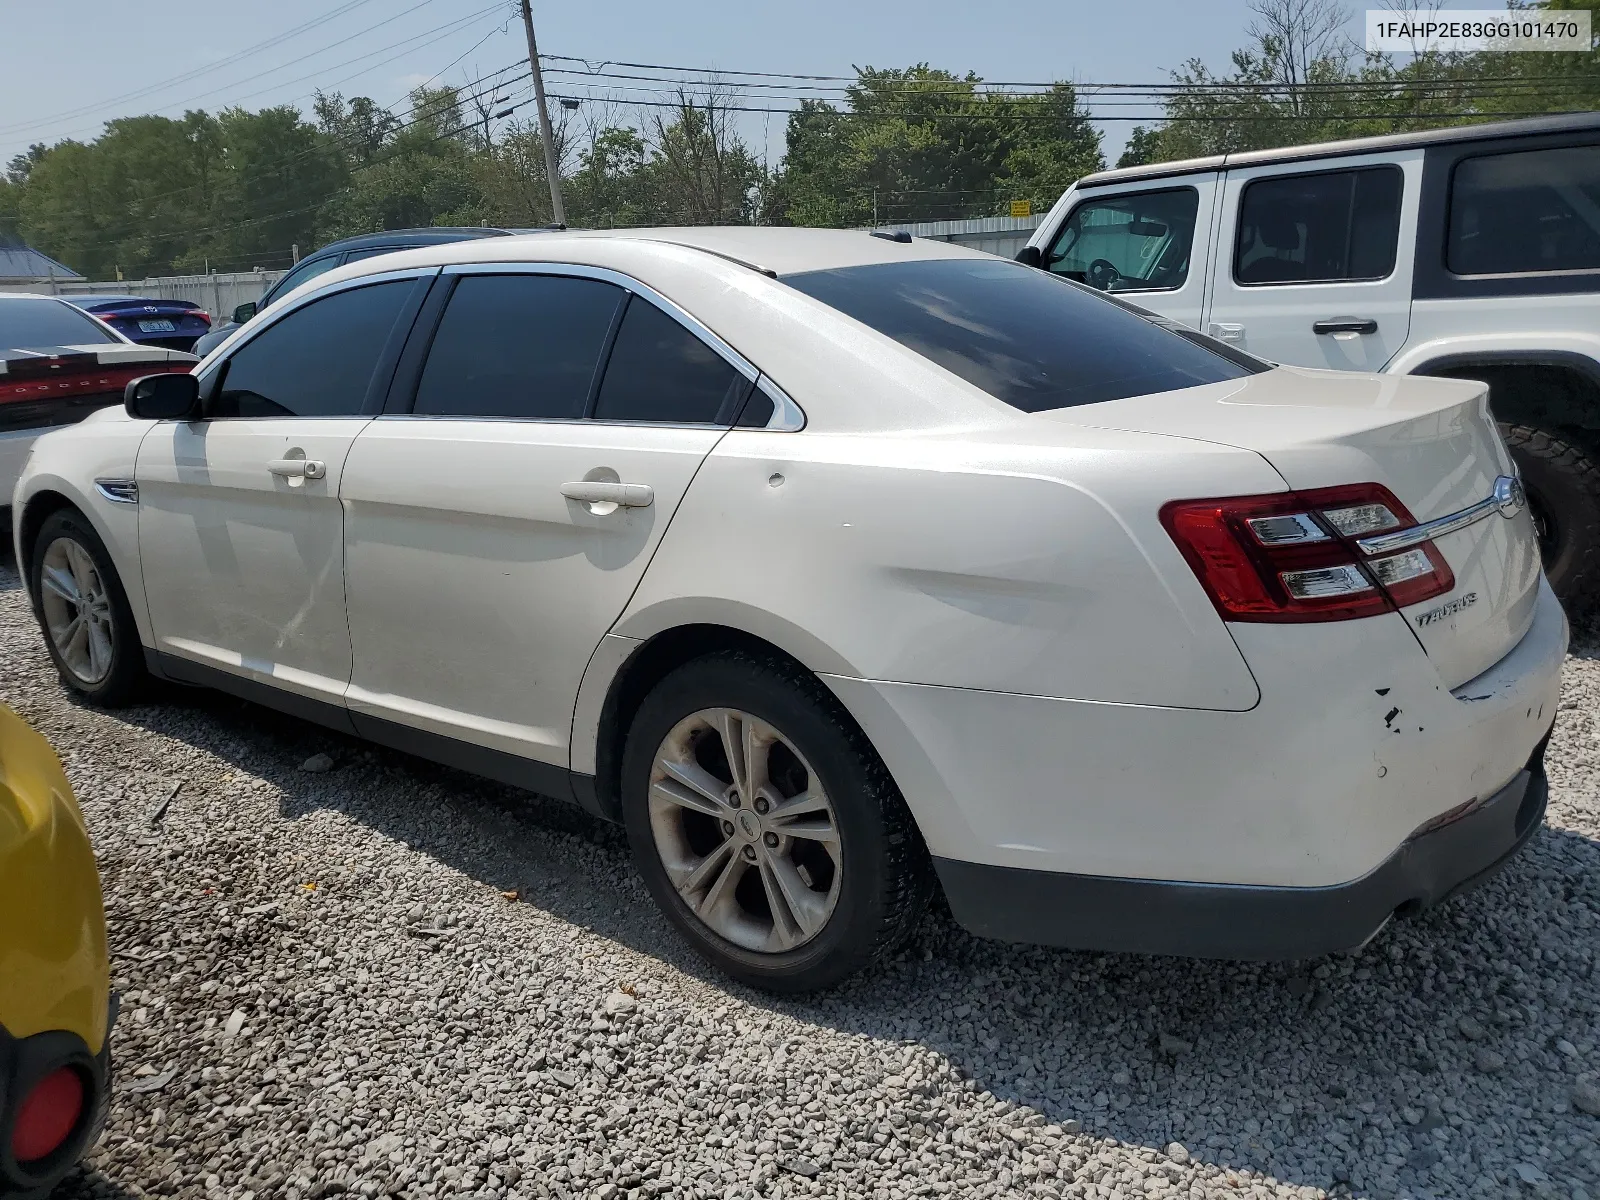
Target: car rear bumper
1207 920
1356 744
25 1061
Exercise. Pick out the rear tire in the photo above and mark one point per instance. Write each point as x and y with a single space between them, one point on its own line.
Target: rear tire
1563 485
780 903
83 612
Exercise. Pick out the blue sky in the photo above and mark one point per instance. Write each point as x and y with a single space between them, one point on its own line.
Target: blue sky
115 49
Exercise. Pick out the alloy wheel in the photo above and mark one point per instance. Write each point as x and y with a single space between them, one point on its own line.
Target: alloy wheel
77 610
745 830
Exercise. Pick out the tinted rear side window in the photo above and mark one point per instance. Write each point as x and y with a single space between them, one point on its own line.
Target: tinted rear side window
318 360
40 324
1536 210
1026 337
517 346
1323 228
659 371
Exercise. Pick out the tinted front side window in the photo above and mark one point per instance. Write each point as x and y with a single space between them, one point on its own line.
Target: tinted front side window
1136 243
38 324
659 371
1536 210
1031 340
517 346
317 361
1337 225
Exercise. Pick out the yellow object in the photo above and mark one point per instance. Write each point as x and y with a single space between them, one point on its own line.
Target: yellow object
1022 208
54 974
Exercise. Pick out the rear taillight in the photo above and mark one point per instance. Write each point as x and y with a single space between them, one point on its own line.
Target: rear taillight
1292 556
47 1116
72 381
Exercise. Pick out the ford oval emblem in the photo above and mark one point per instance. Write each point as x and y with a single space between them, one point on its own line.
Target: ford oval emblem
1509 496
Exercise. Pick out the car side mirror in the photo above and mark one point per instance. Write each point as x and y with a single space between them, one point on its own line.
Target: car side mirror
165 397
1029 256
244 312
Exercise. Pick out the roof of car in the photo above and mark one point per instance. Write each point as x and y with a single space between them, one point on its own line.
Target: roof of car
432 235
82 300
1563 123
767 249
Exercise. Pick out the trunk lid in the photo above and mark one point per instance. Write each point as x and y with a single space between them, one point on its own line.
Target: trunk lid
1432 442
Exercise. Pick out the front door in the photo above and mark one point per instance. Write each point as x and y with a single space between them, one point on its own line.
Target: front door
494 535
241 534
1148 244
1314 264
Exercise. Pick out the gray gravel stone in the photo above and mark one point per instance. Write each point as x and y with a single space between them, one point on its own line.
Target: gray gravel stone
406 1032
1586 1098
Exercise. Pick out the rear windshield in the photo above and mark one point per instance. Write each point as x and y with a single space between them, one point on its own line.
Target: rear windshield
38 324
1023 335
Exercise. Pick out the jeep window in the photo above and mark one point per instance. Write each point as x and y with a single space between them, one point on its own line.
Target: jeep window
1331 227
1533 210
1128 243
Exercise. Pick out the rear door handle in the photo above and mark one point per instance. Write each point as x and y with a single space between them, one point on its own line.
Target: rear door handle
623 495
1346 325
1226 331
298 468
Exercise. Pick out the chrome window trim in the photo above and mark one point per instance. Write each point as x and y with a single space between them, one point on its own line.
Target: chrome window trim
1507 499
787 416
118 491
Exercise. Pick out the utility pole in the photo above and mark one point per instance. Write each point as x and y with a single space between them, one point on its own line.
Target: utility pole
557 209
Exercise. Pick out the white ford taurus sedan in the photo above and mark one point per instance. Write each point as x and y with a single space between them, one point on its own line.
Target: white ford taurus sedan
836 568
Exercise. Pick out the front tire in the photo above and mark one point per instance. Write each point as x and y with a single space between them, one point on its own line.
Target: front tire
765 826
83 611
1563 485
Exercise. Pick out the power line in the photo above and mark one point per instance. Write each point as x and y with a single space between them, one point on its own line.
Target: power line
979 116
448 27
418 117
194 74
717 73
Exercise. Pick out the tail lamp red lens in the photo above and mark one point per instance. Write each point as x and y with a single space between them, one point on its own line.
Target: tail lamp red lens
47 1116
1292 556
73 381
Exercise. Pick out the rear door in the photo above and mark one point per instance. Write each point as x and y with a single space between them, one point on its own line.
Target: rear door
1148 243
495 530
1314 262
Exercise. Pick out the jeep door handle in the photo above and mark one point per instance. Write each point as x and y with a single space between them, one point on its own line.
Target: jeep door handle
1346 325
298 468
623 495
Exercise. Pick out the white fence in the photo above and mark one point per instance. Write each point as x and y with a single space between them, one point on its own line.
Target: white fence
996 235
217 294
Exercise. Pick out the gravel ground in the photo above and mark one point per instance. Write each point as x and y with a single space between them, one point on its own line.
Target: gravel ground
388 978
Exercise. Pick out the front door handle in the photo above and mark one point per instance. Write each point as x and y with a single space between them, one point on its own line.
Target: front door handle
298 468
623 495
1346 325
1226 331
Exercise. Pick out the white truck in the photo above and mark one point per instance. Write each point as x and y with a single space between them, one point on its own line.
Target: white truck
1471 252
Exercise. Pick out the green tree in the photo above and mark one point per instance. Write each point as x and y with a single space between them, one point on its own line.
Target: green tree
1299 80
925 144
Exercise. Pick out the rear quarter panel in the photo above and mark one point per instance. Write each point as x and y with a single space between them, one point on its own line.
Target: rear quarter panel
959 560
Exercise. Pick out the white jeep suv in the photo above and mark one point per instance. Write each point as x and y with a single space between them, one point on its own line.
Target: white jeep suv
1471 252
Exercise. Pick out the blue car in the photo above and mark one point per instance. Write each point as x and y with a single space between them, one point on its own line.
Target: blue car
174 324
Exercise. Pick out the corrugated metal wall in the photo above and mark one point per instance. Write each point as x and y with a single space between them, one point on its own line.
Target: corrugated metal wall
993 235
